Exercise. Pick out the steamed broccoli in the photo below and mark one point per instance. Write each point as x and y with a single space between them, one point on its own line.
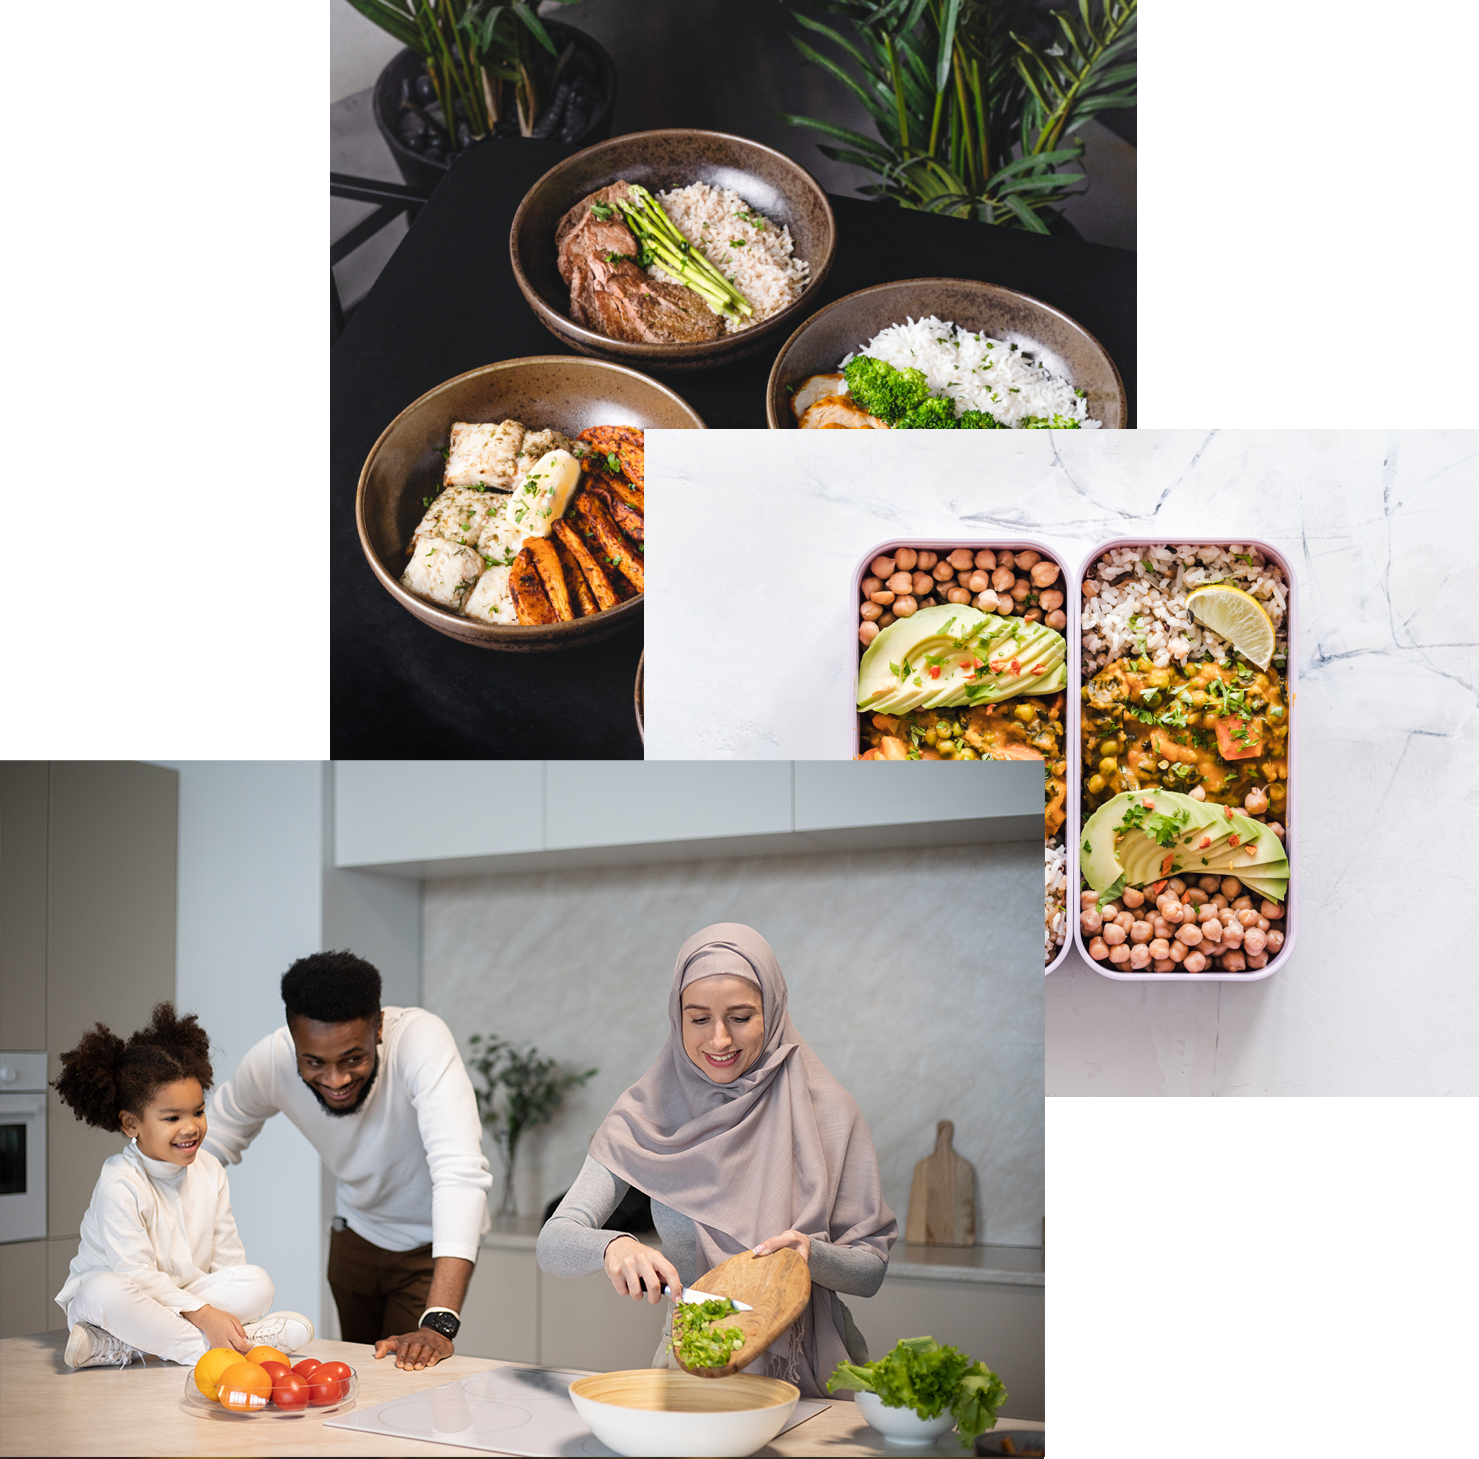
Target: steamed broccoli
933 414
882 390
1046 423
979 420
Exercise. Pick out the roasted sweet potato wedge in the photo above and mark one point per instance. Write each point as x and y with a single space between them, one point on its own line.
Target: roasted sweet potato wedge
625 442
584 600
597 475
531 602
595 576
613 546
547 563
628 518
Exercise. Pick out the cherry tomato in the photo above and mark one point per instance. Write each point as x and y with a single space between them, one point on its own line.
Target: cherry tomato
342 1371
324 1391
306 1367
276 1369
290 1390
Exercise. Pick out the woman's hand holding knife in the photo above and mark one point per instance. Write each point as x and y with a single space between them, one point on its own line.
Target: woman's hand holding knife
639 1271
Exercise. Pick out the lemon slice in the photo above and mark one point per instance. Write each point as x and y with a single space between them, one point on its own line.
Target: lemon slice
1236 616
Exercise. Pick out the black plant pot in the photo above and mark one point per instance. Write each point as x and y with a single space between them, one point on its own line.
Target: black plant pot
422 172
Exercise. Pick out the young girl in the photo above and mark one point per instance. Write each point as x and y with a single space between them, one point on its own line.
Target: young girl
160 1269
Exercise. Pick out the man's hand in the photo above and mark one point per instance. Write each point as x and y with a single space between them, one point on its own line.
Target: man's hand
221 1329
794 1239
423 1348
631 1266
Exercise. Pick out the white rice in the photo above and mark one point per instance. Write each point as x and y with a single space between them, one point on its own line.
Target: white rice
1055 898
749 250
1140 606
977 372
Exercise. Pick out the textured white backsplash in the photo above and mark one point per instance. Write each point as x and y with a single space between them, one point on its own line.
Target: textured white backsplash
915 975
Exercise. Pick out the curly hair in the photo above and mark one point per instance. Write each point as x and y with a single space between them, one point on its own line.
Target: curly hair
104 1075
331 987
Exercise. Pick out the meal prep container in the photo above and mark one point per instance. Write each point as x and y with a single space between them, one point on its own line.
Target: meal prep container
1071 599
1291 672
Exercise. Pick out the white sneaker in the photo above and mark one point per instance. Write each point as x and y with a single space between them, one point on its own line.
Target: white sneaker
91 1347
289 1332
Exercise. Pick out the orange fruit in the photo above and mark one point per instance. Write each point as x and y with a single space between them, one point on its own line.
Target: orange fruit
264 1354
244 1387
210 1367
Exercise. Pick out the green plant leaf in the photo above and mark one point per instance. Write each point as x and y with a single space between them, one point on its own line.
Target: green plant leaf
946 44
394 21
526 13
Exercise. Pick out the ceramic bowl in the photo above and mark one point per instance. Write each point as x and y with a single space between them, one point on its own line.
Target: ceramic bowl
768 181
902 1425
1061 343
405 465
637 695
659 1411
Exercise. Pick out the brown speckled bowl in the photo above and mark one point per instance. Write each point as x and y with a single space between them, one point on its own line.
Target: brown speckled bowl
768 181
543 391
641 723
1061 343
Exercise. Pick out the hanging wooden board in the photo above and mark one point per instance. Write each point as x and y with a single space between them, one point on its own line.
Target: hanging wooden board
942 1200
777 1286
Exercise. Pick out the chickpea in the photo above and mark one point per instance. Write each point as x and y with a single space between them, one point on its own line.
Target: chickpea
1261 924
1178 952
1196 792
1020 589
1211 931
986 602
1243 903
927 560
1254 940
1232 934
1155 889
1125 920
1108 765
1257 959
1140 931
900 582
1139 956
1119 953
870 586
1162 928
1088 899
1096 784
978 581
1005 559
1273 939
1002 579
1272 910
1024 712
1163 965
886 620
921 585
1247 917
1194 895
1132 897
1091 588
1110 909
1057 619
986 558
942 572
1190 934
870 611
1090 920
1043 573
905 558
867 632
883 595
1027 558
1160 947
1234 961
905 607
1195 962
1176 885
1220 902
1114 934
1209 884
882 567
1206 912
1277 829
959 595
1051 599
962 557
1175 914
1255 802
1098 949
1231 886
1227 916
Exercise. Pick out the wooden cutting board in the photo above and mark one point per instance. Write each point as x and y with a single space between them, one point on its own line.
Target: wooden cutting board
777 1286
942 1200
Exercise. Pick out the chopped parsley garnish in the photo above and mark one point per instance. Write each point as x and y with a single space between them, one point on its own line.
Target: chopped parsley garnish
602 212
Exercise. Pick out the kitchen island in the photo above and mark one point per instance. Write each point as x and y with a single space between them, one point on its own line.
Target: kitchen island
48 1409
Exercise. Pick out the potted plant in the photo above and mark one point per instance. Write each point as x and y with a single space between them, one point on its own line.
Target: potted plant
976 101
474 69
515 1092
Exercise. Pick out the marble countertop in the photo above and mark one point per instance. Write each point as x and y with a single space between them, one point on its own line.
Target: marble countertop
750 631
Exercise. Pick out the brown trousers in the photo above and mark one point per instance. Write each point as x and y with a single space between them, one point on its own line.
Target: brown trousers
378 1293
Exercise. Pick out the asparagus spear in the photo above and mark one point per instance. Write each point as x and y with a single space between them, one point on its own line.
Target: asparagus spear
661 242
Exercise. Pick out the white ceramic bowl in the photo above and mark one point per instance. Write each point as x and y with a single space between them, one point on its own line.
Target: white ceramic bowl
903 1425
662 1412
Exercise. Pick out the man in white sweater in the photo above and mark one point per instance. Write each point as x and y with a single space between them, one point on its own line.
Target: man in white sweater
384 1097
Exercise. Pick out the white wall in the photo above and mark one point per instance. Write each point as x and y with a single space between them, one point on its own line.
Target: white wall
358 50
250 897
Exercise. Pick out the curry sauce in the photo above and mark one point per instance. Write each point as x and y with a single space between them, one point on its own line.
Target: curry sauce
1223 727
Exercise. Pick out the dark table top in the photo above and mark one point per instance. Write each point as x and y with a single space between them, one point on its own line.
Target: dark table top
447 302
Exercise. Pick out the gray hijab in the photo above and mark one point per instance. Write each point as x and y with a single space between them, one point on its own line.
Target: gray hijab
783 1147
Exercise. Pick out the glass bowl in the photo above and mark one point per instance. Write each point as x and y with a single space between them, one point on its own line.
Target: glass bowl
197 1403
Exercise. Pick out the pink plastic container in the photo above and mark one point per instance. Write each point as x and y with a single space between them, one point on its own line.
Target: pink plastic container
1071 600
1291 826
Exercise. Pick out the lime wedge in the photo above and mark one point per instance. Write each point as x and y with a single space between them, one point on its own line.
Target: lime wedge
1237 617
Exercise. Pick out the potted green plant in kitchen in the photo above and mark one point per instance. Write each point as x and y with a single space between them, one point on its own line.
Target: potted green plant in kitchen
515 1091
473 69
976 102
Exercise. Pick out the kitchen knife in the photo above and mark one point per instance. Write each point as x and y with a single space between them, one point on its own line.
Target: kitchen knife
692 1294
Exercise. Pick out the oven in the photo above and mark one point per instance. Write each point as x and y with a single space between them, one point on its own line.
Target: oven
22 1147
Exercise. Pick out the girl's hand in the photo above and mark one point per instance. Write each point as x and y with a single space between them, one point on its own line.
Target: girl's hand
221 1329
794 1239
630 1265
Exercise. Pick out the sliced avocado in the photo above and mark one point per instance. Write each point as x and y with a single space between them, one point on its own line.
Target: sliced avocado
1156 848
1234 857
898 656
1030 646
1097 852
1275 888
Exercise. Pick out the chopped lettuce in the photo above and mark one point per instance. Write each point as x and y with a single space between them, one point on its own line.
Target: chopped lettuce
697 1342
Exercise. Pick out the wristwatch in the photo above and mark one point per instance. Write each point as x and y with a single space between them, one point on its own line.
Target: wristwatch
443 1320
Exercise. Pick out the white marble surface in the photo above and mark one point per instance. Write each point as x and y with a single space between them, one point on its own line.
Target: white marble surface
917 991
1382 528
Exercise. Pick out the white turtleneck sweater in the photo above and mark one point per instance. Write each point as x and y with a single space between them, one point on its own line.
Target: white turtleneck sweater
164 1225
409 1161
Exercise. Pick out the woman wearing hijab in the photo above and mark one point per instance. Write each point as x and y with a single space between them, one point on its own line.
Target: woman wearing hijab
745 1142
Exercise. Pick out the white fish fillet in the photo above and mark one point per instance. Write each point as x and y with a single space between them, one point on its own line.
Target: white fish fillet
487 453
458 515
442 571
491 601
